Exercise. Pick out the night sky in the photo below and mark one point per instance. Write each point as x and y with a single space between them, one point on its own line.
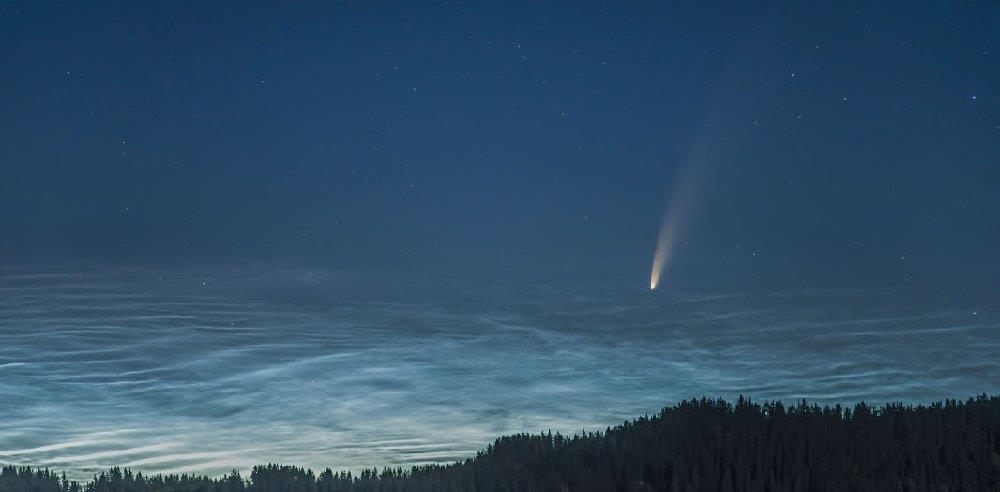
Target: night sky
218 198
502 137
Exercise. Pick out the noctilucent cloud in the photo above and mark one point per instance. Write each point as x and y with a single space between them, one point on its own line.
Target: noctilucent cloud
362 235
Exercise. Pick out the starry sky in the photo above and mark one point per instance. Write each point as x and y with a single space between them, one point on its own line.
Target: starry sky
364 234
482 139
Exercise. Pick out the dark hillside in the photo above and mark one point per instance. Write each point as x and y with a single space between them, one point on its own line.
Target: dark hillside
695 445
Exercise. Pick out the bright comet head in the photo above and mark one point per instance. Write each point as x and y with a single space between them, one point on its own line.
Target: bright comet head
660 257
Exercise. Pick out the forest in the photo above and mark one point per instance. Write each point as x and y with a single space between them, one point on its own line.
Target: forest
699 444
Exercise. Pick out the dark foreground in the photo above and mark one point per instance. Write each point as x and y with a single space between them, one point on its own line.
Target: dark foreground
696 445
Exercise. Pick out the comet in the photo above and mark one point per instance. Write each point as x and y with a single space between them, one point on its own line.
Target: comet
673 221
664 248
693 172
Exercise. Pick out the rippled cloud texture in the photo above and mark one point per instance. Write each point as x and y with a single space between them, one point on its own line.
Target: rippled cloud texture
207 371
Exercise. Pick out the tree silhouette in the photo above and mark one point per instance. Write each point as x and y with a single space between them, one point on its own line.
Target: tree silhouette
695 445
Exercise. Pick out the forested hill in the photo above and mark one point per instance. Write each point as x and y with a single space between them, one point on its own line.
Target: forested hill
695 445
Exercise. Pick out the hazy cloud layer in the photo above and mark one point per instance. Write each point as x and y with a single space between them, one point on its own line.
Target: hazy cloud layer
206 371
